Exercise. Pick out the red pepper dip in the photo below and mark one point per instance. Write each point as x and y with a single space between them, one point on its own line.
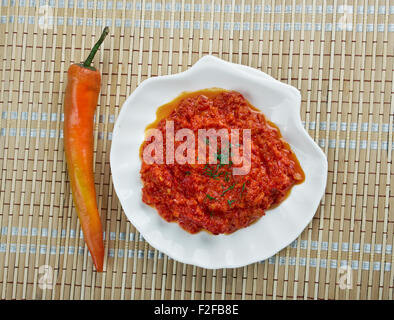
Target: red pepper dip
209 196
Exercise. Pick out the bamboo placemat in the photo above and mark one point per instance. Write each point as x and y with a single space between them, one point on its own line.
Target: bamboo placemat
339 54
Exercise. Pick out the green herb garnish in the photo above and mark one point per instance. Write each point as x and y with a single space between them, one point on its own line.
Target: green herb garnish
242 190
223 158
228 189
209 172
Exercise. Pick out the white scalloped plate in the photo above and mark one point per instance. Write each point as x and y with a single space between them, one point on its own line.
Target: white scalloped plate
274 231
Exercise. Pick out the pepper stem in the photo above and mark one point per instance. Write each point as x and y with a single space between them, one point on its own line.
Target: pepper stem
93 52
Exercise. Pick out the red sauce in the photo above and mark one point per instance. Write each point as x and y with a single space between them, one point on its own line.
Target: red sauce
220 203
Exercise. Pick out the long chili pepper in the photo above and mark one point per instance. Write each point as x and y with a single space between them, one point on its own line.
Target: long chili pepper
80 102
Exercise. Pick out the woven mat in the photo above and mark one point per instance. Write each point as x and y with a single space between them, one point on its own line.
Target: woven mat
339 54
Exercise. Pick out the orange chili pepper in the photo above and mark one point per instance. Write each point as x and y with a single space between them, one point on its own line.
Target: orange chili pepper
80 103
